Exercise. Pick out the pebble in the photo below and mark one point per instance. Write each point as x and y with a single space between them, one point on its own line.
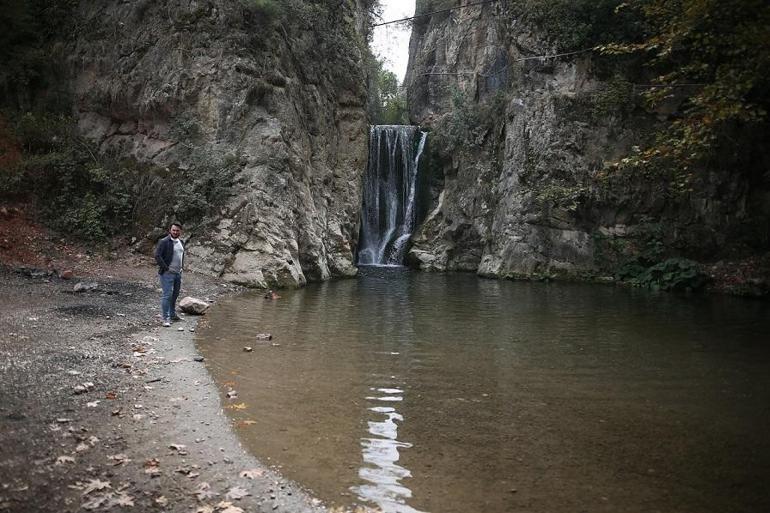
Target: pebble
199 358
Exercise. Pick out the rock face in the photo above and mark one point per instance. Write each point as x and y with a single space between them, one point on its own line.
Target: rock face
189 83
517 147
488 217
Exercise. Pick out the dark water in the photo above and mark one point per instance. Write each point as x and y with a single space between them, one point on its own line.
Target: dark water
447 393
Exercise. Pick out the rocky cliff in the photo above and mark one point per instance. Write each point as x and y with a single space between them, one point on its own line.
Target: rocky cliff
520 146
280 96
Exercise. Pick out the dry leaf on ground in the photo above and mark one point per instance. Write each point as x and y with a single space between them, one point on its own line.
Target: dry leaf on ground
203 492
227 507
121 500
119 459
95 485
252 474
95 502
237 493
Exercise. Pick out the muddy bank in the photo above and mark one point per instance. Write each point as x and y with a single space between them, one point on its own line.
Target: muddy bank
101 408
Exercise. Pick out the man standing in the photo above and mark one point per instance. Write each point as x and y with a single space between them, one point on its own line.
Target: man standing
169 254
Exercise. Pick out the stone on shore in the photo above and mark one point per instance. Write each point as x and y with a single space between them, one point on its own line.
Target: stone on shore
194 306
85 286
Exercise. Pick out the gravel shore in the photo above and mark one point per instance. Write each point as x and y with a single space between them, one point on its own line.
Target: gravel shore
103 409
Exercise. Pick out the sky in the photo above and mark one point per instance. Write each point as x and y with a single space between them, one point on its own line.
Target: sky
391 42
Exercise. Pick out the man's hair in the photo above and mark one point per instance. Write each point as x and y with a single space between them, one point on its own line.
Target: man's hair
175 224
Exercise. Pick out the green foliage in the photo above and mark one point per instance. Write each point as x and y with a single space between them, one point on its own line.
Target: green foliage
93 196
393 100
671 274
616 98
569 198
711 60
468 123
573 25
28 63
387 100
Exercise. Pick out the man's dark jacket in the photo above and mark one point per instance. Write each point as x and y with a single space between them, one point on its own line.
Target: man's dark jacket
164 253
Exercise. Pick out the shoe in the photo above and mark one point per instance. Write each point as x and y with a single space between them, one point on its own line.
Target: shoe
166 323
176 318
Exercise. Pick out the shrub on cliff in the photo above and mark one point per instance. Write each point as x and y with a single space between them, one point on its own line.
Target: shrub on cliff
711 60
95 196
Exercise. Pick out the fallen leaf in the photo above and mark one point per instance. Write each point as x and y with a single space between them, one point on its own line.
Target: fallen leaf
111 396
96 502
151 467
61 460
95 485
237 493
121 500
252 474
119 459
239 406
203 492
249 422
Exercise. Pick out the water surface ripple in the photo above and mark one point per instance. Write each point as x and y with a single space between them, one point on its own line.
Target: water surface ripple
414 392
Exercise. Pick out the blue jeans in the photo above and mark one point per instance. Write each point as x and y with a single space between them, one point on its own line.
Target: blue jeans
170 283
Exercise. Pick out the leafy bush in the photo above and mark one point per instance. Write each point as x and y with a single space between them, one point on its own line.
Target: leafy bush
573 25
671 274
387 99
468 121
569 198
711 61
93 196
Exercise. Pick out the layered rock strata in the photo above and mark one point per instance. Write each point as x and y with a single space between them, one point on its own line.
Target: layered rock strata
186 83
517 150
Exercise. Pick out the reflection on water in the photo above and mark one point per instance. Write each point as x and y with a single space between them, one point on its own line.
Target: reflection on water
380 471
446 393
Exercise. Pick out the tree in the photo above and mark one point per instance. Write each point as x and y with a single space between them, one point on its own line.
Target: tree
711 58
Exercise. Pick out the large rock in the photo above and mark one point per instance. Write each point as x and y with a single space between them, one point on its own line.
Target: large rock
194 306
524 191
174 82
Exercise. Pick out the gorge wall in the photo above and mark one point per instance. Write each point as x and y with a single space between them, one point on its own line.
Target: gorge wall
280 96
519 145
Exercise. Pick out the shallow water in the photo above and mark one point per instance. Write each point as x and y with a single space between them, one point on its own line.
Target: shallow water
447 393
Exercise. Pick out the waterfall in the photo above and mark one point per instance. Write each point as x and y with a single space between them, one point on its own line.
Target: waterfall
388 210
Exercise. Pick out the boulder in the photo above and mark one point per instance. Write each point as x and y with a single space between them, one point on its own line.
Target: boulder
194 306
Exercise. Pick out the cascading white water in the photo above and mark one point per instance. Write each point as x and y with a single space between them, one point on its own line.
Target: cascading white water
390 182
